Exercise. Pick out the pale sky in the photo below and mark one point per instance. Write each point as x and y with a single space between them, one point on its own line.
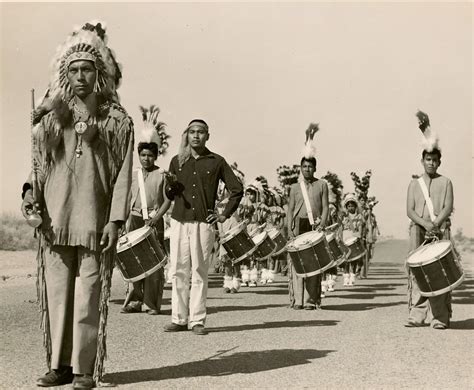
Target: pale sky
258 73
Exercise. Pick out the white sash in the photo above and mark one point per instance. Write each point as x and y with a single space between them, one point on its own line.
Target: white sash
141 186
428 201
307 204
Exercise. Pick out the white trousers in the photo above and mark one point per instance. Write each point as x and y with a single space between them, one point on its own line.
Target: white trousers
191 246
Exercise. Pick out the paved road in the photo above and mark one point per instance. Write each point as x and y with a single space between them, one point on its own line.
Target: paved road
356 342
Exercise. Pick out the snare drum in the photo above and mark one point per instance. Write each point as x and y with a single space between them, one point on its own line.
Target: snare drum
276 236
238 243
336 248
310 254
436 268
356 249
265 247
139 254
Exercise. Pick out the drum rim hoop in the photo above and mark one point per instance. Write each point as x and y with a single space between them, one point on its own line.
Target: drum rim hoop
450 248
305 245
265 235
444 290
129 244
319 271
226 237
151 271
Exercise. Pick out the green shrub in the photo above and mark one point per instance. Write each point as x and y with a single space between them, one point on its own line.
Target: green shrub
15 233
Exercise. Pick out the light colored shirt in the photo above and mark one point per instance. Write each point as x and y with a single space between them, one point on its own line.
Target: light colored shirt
82 194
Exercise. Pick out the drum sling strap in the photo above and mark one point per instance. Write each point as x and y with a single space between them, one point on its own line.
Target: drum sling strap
141 186
428 201
307 204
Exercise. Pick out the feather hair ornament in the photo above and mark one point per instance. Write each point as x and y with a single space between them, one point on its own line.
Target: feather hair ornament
153 130
309 149
430 136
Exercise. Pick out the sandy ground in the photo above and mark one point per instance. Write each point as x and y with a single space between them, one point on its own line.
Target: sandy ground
356 342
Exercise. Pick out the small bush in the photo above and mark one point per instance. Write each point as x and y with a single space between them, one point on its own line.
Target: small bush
15 233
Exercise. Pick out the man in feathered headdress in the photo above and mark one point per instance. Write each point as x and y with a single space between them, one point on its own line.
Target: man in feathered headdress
84 152
429 206
198 172
308 209
149 204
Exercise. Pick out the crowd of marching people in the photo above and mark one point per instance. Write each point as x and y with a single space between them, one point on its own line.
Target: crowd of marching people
92 211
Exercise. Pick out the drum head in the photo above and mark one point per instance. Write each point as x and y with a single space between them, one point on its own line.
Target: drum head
428 253
306 239
273 233
233 232
330 237
258 238
350 241
132 238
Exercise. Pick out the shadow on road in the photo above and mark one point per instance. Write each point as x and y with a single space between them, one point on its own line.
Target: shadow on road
365 296
361 306
273 325
237 363
465 324
217 309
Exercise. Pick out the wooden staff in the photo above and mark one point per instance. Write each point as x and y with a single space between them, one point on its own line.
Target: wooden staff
34 219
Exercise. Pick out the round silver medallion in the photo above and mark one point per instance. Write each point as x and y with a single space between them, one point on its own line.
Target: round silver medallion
80 127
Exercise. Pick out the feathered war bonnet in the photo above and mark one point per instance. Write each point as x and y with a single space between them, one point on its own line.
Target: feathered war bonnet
430 140
153 135
362 185
350 197
86 43
89 43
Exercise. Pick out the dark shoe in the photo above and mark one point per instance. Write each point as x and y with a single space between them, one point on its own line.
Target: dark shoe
83 382
233 290
153 312
175 327
226 290
130 309
57 377
200 330
297 307
308 307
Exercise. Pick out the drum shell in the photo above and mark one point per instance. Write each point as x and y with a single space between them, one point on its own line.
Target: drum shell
356 249
239 247
438 277
336 249
264 249
311 260
142 259
280 242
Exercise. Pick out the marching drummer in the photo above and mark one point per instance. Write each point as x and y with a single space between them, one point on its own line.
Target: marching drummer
429 206
308 209
148 206
198 171
353 226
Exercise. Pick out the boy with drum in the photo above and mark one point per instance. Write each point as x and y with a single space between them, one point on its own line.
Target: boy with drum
198 172
148 206
429 206
308 209
353 227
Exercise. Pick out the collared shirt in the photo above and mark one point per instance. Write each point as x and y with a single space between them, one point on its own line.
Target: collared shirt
200 179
